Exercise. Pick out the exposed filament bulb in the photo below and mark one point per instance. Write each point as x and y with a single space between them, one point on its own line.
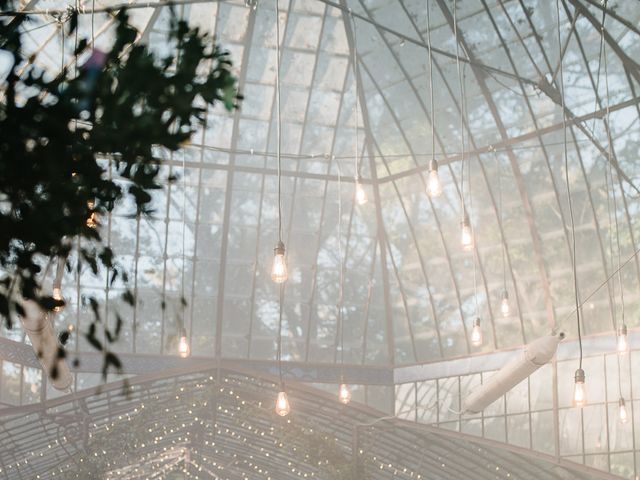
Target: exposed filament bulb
344 394
282 404
279 272
476 333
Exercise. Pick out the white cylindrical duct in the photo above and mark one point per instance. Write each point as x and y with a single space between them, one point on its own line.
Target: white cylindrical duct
45 343
530 359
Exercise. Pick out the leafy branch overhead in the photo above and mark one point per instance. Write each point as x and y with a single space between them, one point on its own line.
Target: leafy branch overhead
74 146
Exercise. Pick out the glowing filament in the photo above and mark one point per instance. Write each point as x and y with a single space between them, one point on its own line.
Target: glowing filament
361 195
282 404
476 333
434 187
183 345
466 234
279 273
622 411
504 304
579 389
344 394
623 344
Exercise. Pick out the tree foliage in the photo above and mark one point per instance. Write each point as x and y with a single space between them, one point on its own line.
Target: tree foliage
74 145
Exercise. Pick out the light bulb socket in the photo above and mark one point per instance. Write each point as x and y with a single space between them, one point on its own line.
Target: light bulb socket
622 330
279 250
621 402
433 165
465 220
579 376
183 332
505 295
476 322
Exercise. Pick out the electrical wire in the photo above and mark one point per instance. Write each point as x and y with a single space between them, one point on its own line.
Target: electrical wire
613 191
279 345
597 89
568 184
355 88
432 104
455 34
615 206
340 317
278 124
184 228
501 217
278 133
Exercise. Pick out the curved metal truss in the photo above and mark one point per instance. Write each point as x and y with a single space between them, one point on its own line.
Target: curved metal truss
220 424
410 292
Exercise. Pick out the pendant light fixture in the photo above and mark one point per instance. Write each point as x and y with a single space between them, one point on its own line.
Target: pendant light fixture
434 186
279 271
183 344
282 401
622 411
360 194
476 333
580 390
622 344
184 350
466 232
282 404
505 307
344 393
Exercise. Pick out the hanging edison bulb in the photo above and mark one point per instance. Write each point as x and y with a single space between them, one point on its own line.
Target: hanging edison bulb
282 404
92 219
361 195
466 234
183 344
476 333
344 394
579 389
434 187
623 344
57 296
622 411
505 308
279 272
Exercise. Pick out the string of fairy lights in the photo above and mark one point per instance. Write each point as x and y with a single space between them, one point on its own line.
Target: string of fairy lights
202 428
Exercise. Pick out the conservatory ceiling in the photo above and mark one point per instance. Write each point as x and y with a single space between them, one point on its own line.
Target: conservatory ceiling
410 291
185 422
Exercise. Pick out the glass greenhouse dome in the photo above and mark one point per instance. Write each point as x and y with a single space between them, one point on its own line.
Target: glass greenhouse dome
380 295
